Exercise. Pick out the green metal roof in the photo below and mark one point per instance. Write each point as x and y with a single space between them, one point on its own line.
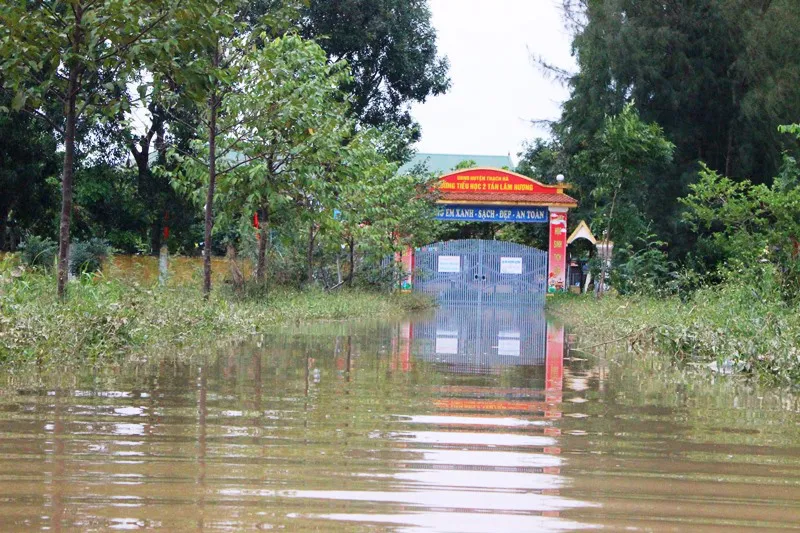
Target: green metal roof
444 163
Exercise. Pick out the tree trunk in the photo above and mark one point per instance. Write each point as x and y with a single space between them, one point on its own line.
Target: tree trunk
729 152
212 180
263 242
310 255
155 235
66 183
603 268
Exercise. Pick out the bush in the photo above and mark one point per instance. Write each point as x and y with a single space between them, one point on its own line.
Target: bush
383 276
645 270
88 256
38 252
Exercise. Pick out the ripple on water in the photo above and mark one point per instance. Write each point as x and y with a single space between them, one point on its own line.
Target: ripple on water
364 428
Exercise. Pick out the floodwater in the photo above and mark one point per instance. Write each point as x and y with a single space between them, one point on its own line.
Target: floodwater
465 420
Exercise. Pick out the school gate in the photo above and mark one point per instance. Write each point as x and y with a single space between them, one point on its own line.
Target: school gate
481 272
493 272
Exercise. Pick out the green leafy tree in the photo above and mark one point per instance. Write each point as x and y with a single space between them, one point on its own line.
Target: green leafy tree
73 54
279 128
390 46
169 89
718 75
209 75
626 148
742 224
381 212
622 153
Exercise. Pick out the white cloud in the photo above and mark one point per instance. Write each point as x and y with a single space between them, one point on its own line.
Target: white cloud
496 89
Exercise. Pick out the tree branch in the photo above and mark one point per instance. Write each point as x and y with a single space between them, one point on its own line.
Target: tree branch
243 162
147 29
38 114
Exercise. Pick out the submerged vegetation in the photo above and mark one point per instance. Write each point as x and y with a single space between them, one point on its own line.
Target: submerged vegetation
105 319
742 327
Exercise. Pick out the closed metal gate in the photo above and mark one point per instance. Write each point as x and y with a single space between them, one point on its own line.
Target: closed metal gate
480 272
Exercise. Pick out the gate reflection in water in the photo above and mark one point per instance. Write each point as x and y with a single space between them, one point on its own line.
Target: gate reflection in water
482 338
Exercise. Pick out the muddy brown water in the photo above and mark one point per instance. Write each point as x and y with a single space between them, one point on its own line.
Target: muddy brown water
463 421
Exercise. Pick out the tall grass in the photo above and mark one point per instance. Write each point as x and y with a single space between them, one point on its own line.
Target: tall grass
107 319
747 325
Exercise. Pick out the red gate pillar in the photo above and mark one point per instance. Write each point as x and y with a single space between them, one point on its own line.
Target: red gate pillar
406 261
557 257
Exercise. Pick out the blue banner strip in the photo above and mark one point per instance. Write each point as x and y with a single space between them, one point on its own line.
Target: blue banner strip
478 213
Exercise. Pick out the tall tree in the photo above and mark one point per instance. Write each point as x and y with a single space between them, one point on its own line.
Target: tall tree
68 52
390 46
292 123
380 212
717 75
209 74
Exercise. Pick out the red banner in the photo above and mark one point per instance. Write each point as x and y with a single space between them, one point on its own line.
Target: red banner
490 180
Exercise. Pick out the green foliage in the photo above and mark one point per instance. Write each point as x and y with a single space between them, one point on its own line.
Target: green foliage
45 46
741 224
718 75
463 165
391 47
381 212
275 105
744 323
643 267
279 153
615 162
105 319
38 252
88 256
107 203
28 164
542 160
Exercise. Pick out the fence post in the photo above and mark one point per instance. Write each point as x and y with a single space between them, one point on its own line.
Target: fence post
163 265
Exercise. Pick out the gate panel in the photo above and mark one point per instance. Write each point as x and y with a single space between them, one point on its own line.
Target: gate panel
482 272
450 271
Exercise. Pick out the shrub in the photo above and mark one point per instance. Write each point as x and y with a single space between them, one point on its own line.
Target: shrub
88 256
38 252
644 271
379 276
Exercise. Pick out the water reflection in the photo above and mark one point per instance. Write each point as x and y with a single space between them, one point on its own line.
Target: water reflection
487 448
479 339
464 420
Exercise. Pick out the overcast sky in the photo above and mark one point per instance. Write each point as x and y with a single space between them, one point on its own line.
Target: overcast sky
496 89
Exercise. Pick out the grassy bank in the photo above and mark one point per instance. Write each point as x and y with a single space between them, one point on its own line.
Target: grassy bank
107 319
742 325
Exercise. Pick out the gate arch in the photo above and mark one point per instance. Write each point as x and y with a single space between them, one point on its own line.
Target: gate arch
475 272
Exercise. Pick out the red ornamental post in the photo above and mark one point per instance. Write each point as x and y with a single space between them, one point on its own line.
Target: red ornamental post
557 256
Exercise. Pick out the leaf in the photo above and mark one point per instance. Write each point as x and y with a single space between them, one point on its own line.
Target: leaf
18 102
